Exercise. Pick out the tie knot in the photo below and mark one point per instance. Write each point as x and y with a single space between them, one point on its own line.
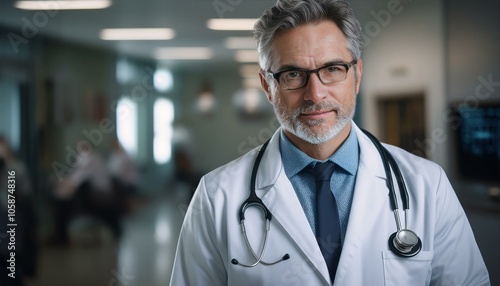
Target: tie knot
323 171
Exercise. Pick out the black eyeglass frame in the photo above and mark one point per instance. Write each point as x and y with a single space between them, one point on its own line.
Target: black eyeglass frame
347 66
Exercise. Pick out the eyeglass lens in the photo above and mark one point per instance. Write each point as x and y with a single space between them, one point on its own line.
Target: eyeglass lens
294 79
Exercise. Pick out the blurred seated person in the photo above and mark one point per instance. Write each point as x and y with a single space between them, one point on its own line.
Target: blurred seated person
185 172
88 189
123 170
89 168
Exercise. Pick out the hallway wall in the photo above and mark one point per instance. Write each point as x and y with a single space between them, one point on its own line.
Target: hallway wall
407 57
224 134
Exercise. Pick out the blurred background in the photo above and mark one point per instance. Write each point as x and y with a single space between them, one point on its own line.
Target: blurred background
109 130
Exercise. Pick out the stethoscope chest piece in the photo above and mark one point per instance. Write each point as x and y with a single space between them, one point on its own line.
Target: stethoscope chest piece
405 243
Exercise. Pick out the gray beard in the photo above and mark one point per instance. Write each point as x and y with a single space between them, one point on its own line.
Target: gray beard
290 121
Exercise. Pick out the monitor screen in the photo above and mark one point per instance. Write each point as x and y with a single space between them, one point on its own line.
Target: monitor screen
478 142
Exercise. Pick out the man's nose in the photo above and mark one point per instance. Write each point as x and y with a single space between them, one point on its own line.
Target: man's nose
315 90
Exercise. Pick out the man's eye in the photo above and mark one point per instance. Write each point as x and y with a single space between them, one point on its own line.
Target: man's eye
333 69
293 74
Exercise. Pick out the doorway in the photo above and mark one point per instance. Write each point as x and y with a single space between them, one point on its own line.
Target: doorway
402 120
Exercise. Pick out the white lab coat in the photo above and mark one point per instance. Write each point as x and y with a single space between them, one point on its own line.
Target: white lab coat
211 235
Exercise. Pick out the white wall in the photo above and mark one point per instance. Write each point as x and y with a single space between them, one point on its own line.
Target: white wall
222 136
406 55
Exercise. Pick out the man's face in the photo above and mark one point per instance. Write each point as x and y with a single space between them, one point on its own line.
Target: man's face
316 112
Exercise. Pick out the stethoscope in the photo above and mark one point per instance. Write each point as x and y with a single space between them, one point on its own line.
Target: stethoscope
404 242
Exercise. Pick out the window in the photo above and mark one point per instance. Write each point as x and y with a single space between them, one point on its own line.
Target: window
126 125
163 120
163 80
10 113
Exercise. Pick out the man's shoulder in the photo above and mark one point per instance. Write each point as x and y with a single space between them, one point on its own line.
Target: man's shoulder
235 169
412 163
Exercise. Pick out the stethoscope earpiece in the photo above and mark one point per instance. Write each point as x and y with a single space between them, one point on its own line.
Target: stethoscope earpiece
285 257
405 243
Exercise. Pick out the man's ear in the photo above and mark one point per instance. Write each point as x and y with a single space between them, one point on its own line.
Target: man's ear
265 85
359 71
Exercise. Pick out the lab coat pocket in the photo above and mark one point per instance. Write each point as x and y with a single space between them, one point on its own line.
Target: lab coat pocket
414 270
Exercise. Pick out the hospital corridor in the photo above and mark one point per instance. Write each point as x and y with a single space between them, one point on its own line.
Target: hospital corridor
113 112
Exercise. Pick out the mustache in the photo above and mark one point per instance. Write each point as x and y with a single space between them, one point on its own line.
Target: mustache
312 107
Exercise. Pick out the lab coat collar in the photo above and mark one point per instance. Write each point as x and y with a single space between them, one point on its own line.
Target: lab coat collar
277 193
271 165
370 190
371 159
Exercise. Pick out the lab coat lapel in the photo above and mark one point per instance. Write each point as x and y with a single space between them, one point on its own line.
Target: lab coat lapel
370 190
287 210
282 201
278 194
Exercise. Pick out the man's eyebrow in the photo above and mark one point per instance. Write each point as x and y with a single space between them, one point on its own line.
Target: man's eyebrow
334 62
288 67
294 67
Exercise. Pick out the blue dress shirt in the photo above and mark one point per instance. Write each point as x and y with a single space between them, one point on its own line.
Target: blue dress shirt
342 183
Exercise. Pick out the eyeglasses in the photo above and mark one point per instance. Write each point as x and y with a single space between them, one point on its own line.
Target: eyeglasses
296 78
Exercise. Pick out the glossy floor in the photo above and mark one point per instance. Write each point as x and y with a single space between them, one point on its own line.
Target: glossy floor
143 256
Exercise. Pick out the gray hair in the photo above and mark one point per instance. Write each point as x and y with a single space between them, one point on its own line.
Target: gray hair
287 14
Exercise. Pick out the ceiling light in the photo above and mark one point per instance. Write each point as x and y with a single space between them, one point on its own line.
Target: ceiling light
137 34
240 43
63 5
183 53
247 56
231 24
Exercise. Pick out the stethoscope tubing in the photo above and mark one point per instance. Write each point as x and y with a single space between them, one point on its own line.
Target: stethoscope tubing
404 242
395 244
254 200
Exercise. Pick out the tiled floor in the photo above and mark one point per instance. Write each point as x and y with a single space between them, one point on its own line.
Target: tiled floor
143 256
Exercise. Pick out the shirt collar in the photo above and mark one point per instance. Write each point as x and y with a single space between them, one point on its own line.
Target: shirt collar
294 160
347 156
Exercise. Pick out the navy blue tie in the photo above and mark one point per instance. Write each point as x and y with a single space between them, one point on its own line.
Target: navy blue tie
327 217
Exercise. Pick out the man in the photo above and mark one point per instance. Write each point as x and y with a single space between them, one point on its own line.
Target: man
311 68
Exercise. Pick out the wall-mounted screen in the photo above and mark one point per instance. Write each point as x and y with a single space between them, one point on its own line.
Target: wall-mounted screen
478 142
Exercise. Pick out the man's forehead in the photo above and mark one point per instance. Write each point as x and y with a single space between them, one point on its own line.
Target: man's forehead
309 45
